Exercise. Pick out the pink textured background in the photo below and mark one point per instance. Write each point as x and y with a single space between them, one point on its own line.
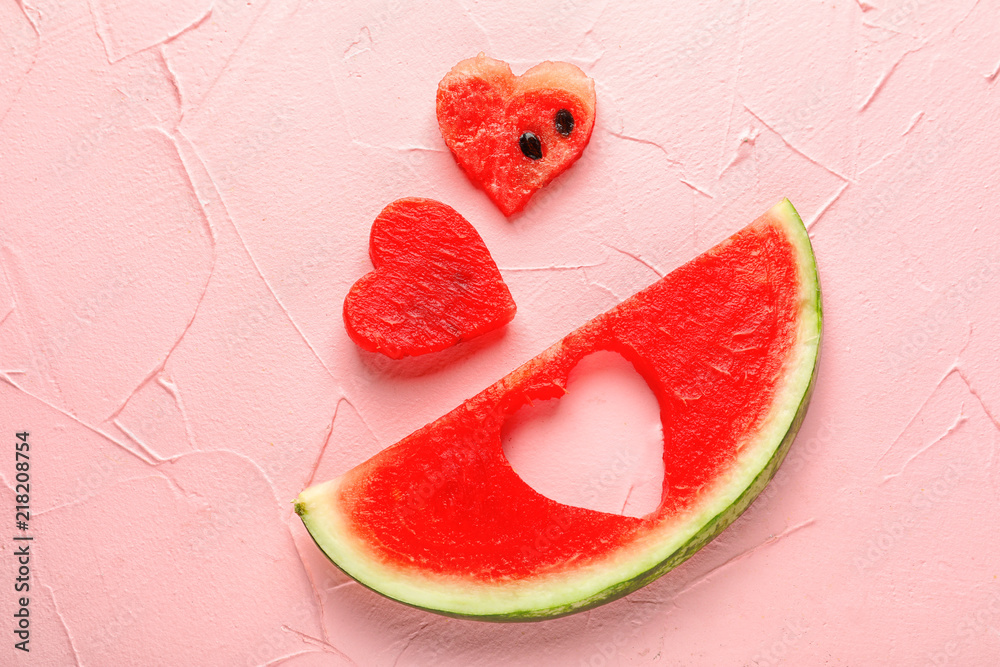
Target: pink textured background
185 198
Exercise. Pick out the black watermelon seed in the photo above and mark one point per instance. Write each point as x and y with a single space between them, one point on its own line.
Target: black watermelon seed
564 122
531 146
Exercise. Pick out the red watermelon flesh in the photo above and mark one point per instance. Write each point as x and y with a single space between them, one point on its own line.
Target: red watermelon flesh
728 343
513 135
434 284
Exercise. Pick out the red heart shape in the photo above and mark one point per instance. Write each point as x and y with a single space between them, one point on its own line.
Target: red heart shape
434 283
513 135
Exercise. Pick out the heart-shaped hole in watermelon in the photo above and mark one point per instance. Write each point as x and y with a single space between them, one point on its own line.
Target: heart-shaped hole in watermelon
599 447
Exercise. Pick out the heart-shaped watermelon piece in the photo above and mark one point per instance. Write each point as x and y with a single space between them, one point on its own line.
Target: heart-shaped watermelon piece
514 134
434 284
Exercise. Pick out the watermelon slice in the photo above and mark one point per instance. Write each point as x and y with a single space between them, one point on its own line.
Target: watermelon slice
729 345
514 134
434 284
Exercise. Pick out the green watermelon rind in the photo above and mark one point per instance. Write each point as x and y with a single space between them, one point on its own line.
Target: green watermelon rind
655 557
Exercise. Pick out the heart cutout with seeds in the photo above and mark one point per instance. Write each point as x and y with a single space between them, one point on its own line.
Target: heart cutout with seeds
434 284
513 134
